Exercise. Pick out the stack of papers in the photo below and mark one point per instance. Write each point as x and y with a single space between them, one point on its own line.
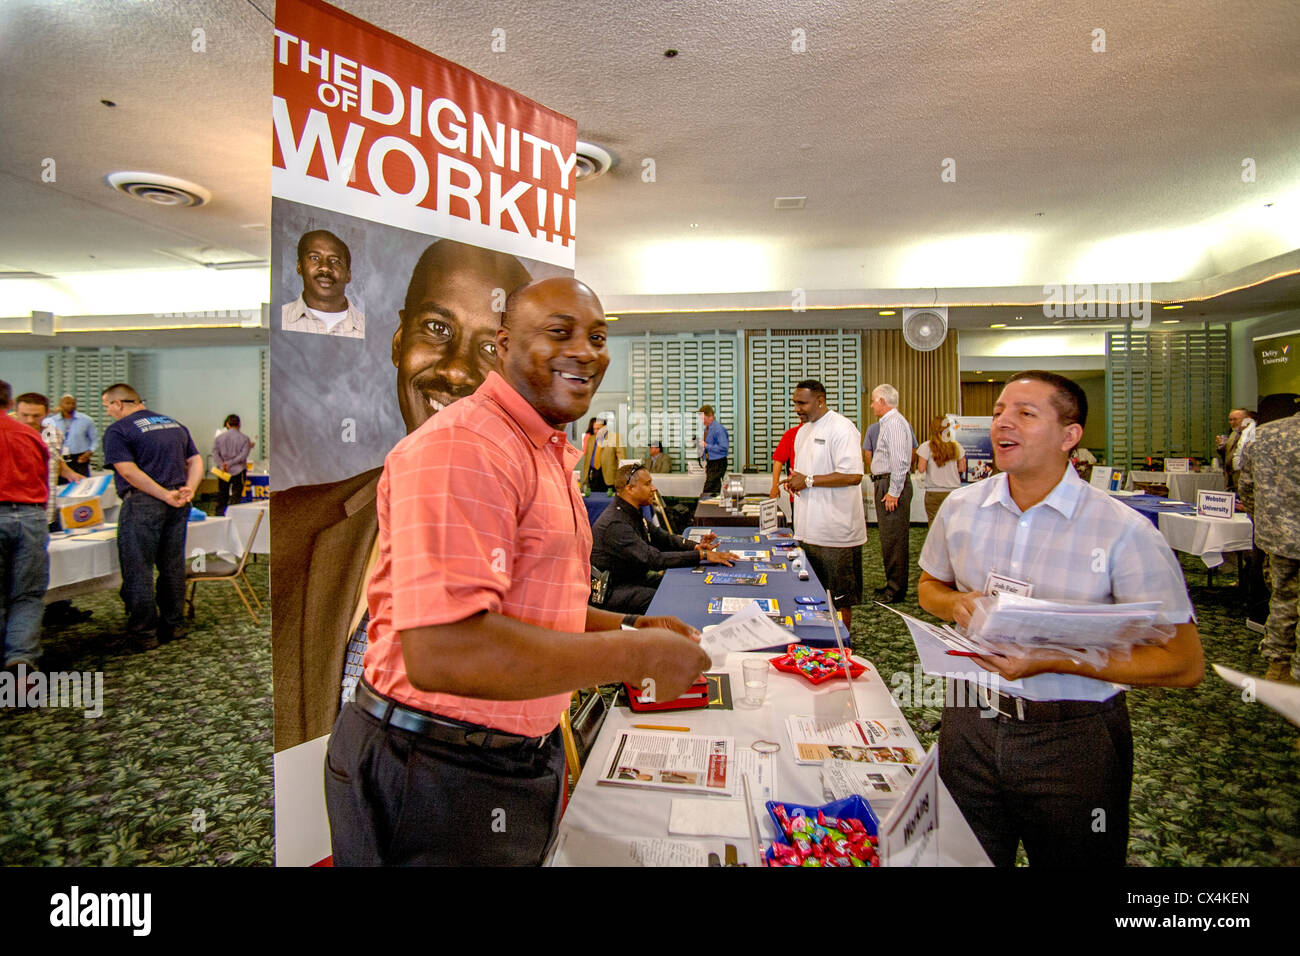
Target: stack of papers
1025 622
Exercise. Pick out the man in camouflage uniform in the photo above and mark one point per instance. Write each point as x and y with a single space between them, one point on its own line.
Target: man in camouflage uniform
1269 485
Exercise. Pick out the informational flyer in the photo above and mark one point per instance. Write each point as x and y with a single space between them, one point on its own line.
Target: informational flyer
685 763
883 740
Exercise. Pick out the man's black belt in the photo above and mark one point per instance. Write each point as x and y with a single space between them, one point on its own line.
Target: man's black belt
883 476
1037 711
442 729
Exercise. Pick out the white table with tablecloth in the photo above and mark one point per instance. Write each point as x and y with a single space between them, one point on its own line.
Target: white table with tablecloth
245 516
1207 538
1182 486
80 564
611 811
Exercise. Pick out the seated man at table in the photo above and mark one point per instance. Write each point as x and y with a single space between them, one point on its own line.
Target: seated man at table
630 548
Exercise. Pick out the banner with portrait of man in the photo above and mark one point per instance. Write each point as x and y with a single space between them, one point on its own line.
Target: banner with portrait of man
410 196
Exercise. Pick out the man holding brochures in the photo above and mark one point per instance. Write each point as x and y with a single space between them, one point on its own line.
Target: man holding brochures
479 624
1053 764
630 548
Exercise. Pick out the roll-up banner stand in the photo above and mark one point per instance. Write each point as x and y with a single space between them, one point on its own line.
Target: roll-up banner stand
410 196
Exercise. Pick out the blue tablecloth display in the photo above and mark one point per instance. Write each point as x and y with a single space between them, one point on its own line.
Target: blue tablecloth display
684 594
1153 506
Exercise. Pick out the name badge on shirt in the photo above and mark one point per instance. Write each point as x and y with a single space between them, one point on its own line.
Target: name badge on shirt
998 582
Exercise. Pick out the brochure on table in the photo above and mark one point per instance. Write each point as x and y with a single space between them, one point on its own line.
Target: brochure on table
659 760
879 740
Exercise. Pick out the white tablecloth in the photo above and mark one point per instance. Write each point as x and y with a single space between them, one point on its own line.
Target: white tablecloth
78 566
692 486
244 516
1207 538
915 516
1182 487
623 812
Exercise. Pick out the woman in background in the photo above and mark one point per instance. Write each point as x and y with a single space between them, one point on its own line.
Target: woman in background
943 465
230 454
593 475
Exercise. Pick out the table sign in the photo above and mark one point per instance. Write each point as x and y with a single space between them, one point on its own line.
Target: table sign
1101 477
769 515
909 835
1216 504
1178 466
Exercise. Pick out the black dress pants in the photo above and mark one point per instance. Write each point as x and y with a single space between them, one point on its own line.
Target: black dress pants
713 474
894 527
1061 786
397 798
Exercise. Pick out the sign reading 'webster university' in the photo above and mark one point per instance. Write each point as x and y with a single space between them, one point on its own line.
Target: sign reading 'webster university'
372 126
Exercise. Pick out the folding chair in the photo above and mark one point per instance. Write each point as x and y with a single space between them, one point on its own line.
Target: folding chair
581 729
217 569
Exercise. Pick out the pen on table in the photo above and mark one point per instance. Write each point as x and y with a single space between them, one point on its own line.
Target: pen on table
962 654
680 730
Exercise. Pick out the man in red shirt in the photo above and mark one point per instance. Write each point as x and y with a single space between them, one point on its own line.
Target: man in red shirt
24 537
479 624
784 458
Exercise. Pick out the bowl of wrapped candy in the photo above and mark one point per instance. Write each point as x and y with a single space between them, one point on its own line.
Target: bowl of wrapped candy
842 833
815 663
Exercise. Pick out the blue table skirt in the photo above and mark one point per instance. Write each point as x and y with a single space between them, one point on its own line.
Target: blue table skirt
1153 506
684 594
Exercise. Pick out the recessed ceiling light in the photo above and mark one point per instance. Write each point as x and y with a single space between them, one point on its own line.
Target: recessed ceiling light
695 225
979 371
1168 321
789 202
998 325
990 380
1170 308
592 160
611 318
158 189
888 312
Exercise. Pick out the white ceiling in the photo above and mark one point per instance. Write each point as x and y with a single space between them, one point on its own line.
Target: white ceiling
1071 165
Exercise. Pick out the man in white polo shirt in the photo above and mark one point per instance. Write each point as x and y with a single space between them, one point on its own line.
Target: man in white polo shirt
828 518
1050 759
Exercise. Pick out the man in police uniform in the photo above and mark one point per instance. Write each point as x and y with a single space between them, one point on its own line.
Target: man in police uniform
158 470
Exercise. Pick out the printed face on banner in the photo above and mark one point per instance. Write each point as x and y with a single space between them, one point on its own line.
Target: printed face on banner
445 344
325 266
553 350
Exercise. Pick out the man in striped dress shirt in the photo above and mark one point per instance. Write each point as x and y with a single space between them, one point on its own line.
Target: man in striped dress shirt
891 475
1048 758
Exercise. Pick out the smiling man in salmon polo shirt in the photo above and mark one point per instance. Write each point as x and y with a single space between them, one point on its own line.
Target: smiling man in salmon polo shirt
480 628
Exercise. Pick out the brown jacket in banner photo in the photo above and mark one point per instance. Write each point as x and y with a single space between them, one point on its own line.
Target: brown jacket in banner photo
321 536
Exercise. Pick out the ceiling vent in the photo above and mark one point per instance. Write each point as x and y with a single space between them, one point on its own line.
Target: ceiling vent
158 189
593 160
925 329
789 202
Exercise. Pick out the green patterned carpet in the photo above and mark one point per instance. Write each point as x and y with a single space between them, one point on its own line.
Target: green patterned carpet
1216 781
187 728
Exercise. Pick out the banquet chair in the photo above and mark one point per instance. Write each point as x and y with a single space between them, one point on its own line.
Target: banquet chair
218 569
580 729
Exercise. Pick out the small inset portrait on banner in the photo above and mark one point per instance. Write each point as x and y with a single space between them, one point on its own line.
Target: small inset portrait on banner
323 308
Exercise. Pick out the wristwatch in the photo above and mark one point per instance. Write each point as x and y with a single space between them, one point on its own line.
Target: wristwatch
808 481
630 619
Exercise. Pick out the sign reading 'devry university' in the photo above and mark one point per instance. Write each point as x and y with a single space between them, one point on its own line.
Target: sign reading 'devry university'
367 124
1216 504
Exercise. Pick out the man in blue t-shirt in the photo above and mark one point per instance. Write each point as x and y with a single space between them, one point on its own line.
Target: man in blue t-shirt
158 470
